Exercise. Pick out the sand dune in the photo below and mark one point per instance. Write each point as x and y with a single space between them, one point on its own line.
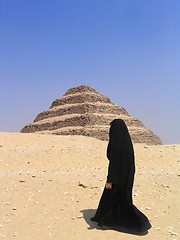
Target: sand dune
51 185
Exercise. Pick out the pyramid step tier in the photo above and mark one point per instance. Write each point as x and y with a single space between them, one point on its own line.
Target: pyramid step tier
78 120
138 135
103 108
80 98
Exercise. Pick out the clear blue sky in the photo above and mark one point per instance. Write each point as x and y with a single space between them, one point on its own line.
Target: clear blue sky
128 50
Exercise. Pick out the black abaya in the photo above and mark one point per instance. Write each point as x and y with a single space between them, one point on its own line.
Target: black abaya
116 205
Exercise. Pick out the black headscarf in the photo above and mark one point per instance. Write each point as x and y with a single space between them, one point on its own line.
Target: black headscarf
120 154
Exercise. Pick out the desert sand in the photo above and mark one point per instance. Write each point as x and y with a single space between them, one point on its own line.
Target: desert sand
51 186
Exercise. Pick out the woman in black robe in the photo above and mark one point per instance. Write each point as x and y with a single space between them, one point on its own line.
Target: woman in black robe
116 205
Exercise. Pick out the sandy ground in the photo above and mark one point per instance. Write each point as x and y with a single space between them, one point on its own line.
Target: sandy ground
41 197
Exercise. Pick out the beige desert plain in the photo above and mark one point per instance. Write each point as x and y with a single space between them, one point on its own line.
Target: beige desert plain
51 186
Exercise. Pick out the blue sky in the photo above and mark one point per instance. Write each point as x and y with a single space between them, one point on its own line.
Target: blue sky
127 50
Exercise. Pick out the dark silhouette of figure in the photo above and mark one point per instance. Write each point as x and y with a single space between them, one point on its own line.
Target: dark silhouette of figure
116 205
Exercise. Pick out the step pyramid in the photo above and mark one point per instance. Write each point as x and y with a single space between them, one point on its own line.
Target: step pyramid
83 111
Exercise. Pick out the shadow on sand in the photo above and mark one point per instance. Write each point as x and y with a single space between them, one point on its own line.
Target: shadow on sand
89 213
